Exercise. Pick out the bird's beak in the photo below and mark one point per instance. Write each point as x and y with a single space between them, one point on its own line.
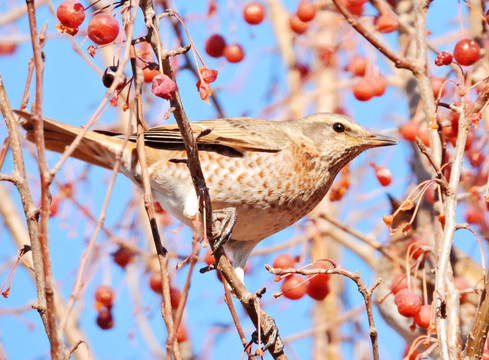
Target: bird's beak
375 140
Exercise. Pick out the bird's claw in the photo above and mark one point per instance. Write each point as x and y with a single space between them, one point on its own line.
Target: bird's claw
223 221
273 340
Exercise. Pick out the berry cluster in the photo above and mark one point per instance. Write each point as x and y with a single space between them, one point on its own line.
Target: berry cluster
102 28
466 52
294 286
104 300
216 46
305 13
369 85
155 283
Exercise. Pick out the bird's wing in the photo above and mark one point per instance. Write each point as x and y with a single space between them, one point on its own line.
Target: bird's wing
241 134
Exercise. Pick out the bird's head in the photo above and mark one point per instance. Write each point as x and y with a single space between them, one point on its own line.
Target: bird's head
338 138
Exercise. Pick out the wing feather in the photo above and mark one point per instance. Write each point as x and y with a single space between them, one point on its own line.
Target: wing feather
241 134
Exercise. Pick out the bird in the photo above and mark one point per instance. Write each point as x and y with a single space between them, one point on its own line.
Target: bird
270 173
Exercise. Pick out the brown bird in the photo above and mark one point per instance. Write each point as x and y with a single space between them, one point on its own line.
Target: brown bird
271 173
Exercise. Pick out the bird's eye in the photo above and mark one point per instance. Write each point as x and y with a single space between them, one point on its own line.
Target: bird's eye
338 127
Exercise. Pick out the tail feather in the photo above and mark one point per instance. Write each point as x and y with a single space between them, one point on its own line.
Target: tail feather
94 148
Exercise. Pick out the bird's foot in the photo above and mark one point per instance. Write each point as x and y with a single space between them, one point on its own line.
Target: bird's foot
273 340
223 223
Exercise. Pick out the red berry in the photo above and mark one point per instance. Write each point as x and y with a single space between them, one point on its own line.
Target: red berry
204 89
363 90
385 23
317 287
149 74
357 65
71 13
104 295
354 6
423 317
219 275
303 70
466 52
54 206
209 75
214 46
319 280
475 158
155 282
383 174
398 283
306 11
469 141
163 87
254 13
451 131
437 86
103 29
283 261
7 48
443 58
209 258
318 293
104 319
233 53
181 334
408 303
473 216
293 287
379 85
409 131
175 296
388 219
123 256
424 137
297 25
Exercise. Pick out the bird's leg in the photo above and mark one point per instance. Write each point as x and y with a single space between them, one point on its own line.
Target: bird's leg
223 223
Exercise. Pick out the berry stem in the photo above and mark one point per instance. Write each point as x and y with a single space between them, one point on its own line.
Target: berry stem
195 53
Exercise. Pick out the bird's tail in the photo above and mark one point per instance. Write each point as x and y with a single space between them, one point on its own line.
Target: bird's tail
94 148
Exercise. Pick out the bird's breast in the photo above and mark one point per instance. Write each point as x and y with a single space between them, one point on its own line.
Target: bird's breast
269 190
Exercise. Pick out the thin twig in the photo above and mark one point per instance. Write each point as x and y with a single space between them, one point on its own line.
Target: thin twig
398 61
194 258
350 230
3 151
58 350
477 336
362 288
